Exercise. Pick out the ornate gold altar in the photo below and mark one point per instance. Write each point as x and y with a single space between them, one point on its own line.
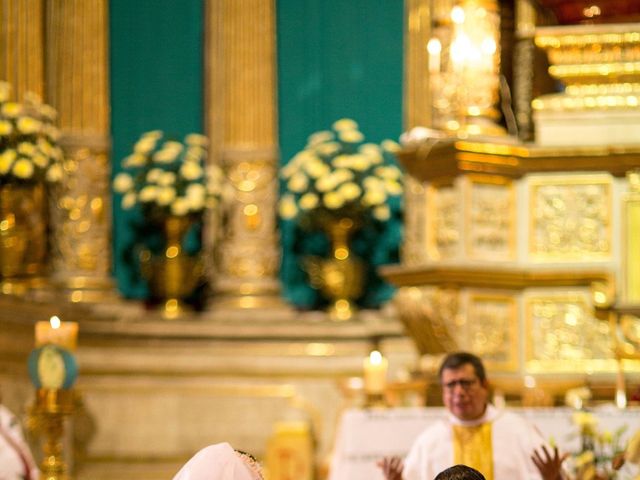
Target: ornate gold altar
524 253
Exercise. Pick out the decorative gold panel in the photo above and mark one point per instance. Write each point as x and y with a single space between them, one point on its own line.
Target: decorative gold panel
443 222
570 217
564 336
490 218
491 330
415 229
630 240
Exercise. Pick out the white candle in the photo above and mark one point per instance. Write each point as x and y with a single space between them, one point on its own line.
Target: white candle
56 332
375 373
434 47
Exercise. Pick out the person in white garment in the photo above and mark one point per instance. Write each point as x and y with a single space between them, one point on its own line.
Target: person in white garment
499 444
16 461
220 462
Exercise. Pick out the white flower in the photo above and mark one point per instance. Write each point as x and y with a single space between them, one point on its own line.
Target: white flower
191 171
23 168
316 168
326 183
374 197
287 207
360 162
165 155
122 182
196 196
128 201
327 149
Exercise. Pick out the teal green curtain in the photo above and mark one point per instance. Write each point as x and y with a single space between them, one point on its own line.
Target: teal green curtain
338 59
156 83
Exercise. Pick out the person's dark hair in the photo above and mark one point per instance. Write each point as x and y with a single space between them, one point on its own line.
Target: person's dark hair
453 361
460 472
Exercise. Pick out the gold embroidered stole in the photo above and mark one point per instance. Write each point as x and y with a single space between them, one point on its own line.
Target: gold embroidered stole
472 446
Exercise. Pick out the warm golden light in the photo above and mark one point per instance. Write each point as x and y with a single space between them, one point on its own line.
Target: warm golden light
55 322
457 14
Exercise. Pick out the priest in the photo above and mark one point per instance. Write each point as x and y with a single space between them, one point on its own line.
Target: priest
499 444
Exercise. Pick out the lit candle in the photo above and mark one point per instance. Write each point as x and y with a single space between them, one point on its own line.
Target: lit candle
375 373
63 334
434 47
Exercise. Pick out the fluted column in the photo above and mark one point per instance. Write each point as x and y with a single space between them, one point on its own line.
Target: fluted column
241 122
77 86
417 96
21 45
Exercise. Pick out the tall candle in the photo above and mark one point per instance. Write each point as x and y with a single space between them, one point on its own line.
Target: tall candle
375 368
56 332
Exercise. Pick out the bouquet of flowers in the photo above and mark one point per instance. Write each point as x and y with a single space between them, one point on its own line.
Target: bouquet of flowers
28 141
597 449
338 175
169 178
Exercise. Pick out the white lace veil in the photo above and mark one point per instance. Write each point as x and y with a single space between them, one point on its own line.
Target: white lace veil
219 462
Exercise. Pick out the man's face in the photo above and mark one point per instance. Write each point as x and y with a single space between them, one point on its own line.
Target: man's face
463 393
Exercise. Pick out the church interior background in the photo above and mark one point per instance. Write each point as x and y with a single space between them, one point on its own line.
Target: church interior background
518 138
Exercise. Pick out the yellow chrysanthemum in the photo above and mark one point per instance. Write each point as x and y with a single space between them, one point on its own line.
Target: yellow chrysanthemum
180 206
40 161
298 182
351 136
333 200
154 175
28 125
344 124
23 168
123 182
374 197
320 137
393 188
54 173
6 160
166 179
134 160
5 127
5 90
191 171
129 201
166 195
382 213
328 149
148 193
196 139
26 148
309 201
287 207
390 146
11 109
349 191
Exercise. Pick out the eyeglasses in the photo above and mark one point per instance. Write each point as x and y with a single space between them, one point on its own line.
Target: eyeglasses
464 383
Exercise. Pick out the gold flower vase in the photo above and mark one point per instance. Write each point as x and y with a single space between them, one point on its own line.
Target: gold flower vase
173 275
340 277
23 240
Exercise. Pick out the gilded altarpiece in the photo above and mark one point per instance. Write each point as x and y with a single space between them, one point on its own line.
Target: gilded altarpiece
571 217
564 336
490 216
444 215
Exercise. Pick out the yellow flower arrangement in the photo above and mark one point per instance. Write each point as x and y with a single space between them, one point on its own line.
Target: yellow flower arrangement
28 140
338 175
597 449
169 177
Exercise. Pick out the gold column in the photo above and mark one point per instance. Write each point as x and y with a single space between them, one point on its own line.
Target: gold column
417 97
21 45
241 123
77 86
524 67
630 240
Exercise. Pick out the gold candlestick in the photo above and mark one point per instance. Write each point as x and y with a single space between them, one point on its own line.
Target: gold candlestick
49 411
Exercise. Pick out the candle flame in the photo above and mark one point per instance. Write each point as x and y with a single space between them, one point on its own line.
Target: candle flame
55 322
375 357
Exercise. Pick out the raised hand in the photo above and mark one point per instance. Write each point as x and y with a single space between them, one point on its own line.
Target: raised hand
391 467
549 466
